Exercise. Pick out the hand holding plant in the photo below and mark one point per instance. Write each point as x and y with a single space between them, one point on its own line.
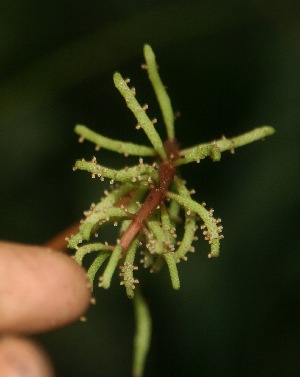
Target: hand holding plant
41 290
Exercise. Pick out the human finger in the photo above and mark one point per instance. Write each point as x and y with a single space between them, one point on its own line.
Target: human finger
40 289
21 357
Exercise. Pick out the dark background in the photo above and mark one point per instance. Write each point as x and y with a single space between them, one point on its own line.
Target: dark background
230 66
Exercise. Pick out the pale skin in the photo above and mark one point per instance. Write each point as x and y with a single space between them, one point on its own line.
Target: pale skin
40 289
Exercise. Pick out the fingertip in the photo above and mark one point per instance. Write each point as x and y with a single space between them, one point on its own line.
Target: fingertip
41 289
21 357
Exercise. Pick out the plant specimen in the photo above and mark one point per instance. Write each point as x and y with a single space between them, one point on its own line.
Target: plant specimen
147 203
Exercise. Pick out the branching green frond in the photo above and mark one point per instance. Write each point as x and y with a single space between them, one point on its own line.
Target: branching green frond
127 270
148 204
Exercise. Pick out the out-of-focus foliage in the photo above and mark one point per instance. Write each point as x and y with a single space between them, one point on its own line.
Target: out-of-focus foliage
229 66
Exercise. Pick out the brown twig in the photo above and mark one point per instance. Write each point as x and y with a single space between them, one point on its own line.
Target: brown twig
155 196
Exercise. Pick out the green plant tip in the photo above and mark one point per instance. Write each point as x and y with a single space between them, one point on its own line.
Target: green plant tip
147 204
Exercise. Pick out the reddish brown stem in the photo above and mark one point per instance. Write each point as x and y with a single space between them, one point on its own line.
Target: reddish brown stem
155 196
58 242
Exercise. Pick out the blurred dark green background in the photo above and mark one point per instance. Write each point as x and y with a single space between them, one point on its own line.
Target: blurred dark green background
230 66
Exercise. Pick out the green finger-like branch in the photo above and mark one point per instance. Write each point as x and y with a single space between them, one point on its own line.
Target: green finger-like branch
113 145
98 218
174 209
212 232
160 91
142 336
86 249
169 231
165 219
140 114
111 267
180 188
169 258
156 238
92 219
201 151
127 269
188 237
189 226
138 173
246 138
97 263
169 254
